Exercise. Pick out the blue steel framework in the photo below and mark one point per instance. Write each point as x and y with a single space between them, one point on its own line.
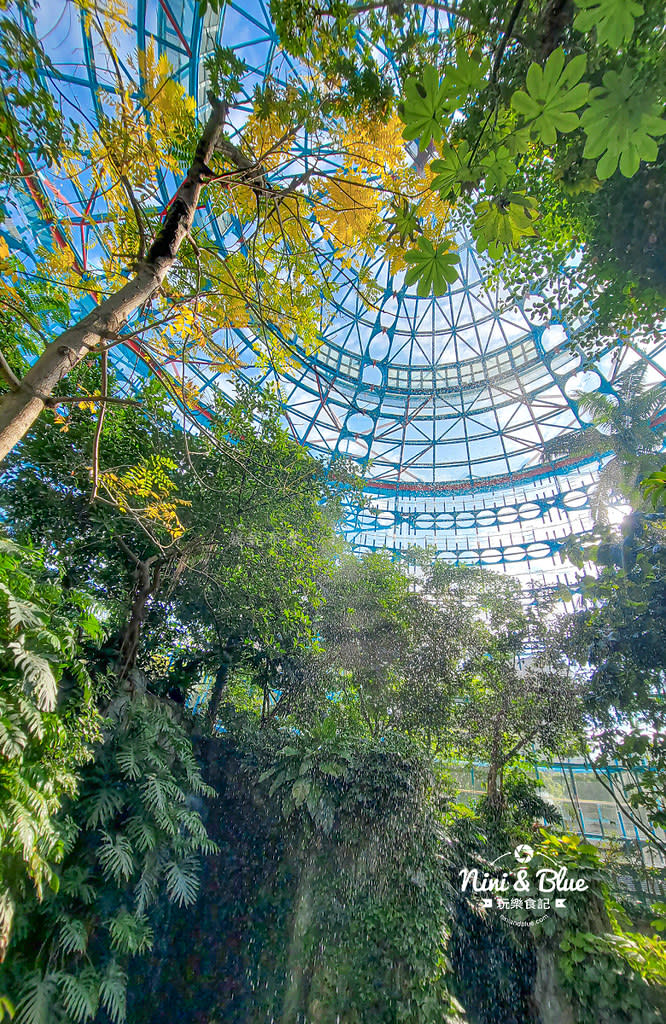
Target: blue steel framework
445 403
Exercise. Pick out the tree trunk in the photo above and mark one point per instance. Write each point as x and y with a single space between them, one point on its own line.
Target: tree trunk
148 581
494 783
20 408
555 18
492 791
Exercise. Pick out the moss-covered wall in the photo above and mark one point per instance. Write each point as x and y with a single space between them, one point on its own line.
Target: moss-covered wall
360 925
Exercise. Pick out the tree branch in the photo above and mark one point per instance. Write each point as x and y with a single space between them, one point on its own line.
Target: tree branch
20 409
53 400
513 17
8 374
100 424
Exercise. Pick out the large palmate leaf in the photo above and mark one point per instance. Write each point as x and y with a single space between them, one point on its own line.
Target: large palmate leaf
182 881
430 100
553 95
622 124
498 167
80 994
503 223
612 19
37 998
465 77
455 170
432 267
112 992
424 107
405 222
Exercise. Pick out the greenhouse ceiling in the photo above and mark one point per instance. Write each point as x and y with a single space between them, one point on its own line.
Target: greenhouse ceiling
444 401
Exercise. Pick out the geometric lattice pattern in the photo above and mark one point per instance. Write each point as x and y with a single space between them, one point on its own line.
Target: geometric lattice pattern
444 402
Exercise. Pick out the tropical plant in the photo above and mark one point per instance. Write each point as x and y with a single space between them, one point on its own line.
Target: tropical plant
271 278
569 92
131 836
32 127
48 719
622 426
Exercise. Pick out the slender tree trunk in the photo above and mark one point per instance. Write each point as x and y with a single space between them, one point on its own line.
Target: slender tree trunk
493 790
148 582
219 685
20 408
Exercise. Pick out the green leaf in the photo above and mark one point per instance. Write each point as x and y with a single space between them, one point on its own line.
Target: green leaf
498 167
130 933
73 935
613 20
432 267
503 224
37 673
116 856
553 95
300 791
455 170
103 805
654 487
622 123
37 998
80 994
6 1008
465 77
406 224
112 992
424 108
182 881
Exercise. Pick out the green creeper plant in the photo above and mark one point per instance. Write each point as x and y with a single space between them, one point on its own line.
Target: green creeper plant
132 836
608 971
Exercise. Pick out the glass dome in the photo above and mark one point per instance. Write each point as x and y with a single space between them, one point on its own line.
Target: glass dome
444 403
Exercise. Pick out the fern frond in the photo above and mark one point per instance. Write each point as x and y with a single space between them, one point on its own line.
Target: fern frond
113 992
103 805
148 884
142 833
37 673
182 881
128 761
21 614
13 739
72 935
37 998
80 994
159 794
130 933
76 882
116 857
577 442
